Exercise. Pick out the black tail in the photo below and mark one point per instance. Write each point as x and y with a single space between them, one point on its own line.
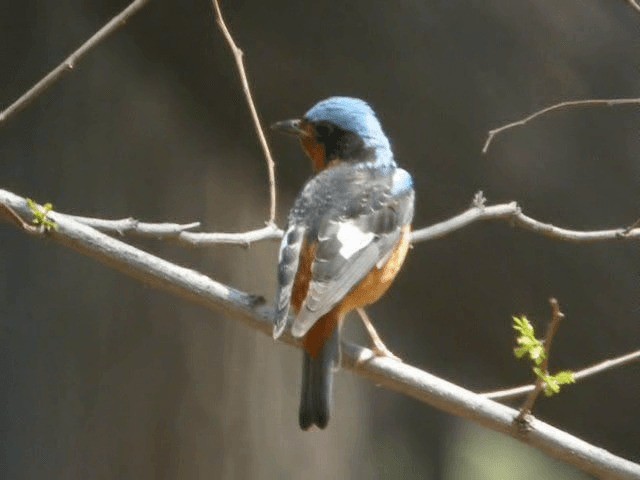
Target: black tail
317 384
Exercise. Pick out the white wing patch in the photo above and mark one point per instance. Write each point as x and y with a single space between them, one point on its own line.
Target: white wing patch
352 239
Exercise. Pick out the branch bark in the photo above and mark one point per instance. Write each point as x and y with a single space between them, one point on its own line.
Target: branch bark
580 374
389 373
507 212
591 102
238 56
634 4
72 60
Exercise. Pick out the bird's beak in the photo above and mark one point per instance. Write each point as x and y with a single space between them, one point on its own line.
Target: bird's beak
291 127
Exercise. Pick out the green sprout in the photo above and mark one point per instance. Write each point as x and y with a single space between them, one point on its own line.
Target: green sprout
532 347
552 383
40 215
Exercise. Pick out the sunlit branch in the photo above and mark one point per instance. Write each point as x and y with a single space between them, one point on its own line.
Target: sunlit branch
383 371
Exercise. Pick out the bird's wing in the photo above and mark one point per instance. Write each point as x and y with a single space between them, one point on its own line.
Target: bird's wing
288 260
353 237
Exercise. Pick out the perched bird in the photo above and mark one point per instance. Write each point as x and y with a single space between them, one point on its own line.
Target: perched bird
347 236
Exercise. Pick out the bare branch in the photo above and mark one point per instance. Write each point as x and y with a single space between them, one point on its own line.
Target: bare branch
130 225
383 371
378 346
10 214
238 56
69 64
592 102
524 417
512 213
507 212
244 239
599 367
634 4
179 232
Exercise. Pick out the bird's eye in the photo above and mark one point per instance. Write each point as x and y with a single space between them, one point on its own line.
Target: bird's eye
323 130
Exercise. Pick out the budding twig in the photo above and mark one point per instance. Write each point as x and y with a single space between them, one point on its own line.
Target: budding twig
525 411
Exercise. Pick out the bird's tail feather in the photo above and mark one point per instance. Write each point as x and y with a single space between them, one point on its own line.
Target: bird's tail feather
317 383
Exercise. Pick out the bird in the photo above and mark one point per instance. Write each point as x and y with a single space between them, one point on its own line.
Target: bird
346 238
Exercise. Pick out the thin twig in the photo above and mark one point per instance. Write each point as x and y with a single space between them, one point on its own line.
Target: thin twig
608 102
71 61
634 4
400 377
130 225
244 239
378 345
512 213
180 233
177 232
238 55
599 367
523 418
507 212
10 213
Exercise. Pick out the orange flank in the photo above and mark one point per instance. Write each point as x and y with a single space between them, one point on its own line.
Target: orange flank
368 291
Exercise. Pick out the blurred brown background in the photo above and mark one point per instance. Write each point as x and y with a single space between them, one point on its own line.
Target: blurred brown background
102 377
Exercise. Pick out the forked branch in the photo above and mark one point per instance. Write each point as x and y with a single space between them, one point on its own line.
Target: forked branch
592 102
389 373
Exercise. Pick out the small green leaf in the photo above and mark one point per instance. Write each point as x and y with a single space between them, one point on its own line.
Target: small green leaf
528 343
40 215
551 386
520 352
565 377
537 354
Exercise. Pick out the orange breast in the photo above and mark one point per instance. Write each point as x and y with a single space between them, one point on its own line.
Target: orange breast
368 291
374 285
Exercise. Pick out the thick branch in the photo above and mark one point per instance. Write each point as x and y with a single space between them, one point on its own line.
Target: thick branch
592 102
389 373
69 64
580 374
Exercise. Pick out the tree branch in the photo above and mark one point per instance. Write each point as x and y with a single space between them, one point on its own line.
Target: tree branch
397 376
69 64
512 213
634 4
238 56
593 102
599 367
179 232
507 212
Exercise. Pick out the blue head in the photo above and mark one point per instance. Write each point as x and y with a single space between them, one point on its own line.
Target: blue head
341 129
